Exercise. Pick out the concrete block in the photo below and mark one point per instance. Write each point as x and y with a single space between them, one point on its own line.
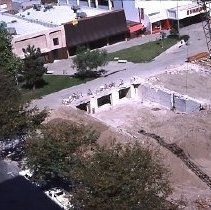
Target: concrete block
132 92
192 106
114 97
179 104
156 95
93 105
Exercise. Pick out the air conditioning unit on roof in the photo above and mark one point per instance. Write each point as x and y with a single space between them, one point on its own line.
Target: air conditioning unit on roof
81 15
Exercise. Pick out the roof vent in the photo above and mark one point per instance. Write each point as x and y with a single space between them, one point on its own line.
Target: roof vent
81 15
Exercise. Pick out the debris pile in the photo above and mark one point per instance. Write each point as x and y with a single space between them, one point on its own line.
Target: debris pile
202 58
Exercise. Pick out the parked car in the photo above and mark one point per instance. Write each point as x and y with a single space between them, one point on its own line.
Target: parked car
60 197
26 173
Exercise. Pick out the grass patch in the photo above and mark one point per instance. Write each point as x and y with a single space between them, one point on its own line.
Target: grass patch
54 83
145 52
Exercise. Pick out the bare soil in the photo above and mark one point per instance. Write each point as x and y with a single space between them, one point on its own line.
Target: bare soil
191 132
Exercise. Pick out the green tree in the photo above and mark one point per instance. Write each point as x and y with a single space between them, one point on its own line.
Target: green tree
33 66
8 61
52 153
86 60
16 118
121 178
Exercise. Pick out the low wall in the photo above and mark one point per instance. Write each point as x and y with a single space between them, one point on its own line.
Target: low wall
155 95
168 99
144 92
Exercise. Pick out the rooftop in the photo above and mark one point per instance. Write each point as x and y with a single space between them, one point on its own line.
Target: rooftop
158 6
59 14
21 26
186 7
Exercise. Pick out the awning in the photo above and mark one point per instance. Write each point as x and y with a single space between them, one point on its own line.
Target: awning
136 27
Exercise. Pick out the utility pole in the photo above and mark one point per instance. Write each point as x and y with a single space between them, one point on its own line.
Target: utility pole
178 25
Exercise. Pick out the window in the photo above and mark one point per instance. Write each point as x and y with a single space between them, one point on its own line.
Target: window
55 41
188 12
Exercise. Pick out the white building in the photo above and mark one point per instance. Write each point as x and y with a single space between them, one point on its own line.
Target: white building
150 13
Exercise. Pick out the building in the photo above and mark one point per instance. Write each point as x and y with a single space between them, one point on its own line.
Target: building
96 31
57 31
160 15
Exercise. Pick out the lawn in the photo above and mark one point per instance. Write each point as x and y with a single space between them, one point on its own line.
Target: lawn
54 83
146 52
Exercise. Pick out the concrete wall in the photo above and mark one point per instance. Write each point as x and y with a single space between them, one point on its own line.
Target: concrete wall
168 99
179 104
192 106
145 92
155 95
131 12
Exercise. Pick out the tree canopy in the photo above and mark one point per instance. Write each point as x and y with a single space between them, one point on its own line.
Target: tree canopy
52 153
87 60
122 177
33 67
15 117
8 61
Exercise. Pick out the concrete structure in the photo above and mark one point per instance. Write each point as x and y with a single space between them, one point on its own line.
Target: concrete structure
139 91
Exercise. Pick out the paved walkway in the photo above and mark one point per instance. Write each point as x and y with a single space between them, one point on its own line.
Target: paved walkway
166 60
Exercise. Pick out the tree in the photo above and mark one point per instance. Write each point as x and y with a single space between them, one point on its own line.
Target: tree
52 153
16 118
8 61
86 60
33 66
121 178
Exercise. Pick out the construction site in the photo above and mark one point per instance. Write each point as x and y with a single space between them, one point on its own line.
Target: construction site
169 110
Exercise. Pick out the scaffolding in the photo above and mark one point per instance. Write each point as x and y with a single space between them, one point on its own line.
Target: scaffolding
206 22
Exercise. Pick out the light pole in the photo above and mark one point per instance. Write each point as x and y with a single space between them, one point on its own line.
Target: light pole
178 25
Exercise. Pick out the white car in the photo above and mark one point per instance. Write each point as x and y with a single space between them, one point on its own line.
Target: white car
26 173
59 197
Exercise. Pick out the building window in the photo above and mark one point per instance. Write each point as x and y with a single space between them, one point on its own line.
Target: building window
55 41
188 12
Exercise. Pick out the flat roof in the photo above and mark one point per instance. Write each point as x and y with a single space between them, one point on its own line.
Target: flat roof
59 14
186 7
22 27
158 6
